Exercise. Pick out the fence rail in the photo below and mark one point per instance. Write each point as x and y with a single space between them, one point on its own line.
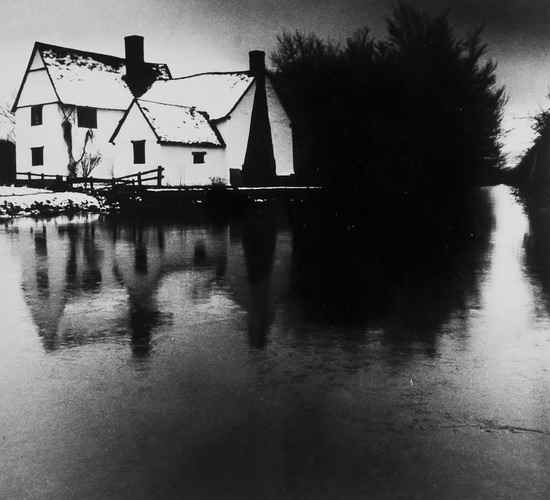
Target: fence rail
138 179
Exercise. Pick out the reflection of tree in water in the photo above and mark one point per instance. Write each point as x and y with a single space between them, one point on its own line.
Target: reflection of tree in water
408 278
537 248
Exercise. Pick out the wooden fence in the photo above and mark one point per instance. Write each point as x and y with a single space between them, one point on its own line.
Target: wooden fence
64 181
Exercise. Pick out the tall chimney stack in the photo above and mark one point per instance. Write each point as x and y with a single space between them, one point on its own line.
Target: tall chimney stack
257 63
133 45
259 161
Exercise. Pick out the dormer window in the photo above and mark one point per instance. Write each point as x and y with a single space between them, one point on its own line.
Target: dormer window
87 117
198 157
36 115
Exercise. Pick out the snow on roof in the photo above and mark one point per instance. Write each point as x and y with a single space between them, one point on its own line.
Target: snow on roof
215 93
180 124
90 79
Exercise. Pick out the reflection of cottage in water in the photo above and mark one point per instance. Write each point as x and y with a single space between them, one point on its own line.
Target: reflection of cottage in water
85 282
90 281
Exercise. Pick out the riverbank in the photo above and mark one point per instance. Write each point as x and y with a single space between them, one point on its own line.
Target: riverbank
31 202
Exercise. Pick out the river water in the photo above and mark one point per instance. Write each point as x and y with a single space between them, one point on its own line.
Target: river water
148 360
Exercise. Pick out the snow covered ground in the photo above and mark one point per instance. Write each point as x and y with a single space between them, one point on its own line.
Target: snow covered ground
24 201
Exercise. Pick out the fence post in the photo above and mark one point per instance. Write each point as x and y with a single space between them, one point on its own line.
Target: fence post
159 176
29 175
139 178
91 183
113 182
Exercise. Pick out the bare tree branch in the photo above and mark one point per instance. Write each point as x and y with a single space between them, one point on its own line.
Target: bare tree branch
7 122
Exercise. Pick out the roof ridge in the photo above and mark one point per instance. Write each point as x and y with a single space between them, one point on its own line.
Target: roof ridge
80 51
170 104
42 45
212 73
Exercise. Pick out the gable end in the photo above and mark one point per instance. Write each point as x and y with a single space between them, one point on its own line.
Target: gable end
35 53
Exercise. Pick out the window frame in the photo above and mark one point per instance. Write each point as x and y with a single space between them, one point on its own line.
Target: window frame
86 117
37 115
37 161
135 144
199 157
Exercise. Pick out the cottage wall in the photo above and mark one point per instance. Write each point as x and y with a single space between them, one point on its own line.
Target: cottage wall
107 120
50 136
135 128
179 167
38 88
235 130
281 132
177 160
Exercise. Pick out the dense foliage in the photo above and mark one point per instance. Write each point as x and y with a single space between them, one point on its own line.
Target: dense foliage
409 114
528 174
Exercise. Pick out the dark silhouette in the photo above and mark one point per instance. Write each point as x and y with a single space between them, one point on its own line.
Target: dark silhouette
406 279
7 160
259 162
416 115
259 242
531 174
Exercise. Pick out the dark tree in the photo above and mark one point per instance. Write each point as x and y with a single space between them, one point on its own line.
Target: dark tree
531 173
416 113
7 162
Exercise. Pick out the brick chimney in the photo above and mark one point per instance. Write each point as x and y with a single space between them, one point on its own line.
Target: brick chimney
259 161
135 64
133 45
257 63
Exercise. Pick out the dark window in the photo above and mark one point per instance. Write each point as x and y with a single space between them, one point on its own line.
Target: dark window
198 156
36 115
37 155
139 152
87 117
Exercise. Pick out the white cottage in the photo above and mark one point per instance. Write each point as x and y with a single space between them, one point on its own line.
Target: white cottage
76 109
181 139
69 103
211 127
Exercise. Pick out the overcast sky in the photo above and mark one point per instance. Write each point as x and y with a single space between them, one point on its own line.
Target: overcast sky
202 35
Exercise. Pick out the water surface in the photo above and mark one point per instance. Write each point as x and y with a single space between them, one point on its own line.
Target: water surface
171 360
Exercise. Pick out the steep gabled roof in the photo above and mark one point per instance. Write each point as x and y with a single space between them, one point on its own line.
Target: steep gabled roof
174 124
215 93
88 78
